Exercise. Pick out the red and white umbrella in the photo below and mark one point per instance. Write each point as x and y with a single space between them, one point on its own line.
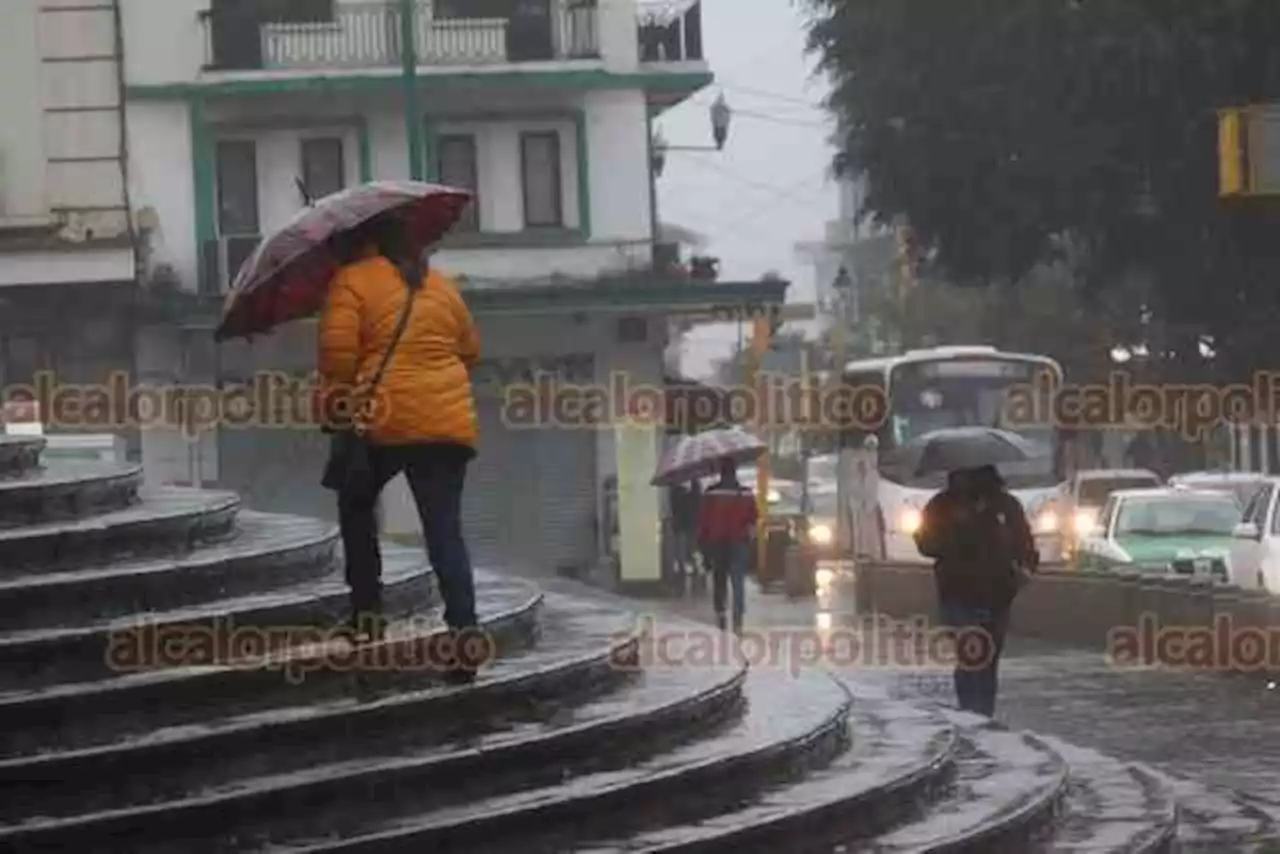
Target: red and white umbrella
287 277
699 456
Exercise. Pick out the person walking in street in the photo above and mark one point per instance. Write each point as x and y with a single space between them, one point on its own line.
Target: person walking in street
683 501
392 323
726 523
983 548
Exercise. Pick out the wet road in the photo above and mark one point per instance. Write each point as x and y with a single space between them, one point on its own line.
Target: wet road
1217 729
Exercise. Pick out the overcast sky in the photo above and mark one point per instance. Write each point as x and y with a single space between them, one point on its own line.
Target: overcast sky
768 189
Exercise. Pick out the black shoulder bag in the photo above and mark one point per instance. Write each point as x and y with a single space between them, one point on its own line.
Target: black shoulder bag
349 470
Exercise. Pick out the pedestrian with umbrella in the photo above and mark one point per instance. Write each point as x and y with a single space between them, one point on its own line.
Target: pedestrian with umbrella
727 512
396 344
982 545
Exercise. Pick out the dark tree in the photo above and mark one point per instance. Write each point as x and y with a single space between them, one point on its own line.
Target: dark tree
1006 131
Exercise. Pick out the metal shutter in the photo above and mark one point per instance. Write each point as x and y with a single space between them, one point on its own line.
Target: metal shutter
564 488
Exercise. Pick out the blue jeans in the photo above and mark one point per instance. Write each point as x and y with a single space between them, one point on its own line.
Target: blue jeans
728 563
436 474
977 669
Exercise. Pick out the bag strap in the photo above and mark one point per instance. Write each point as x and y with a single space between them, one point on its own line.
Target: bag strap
401 323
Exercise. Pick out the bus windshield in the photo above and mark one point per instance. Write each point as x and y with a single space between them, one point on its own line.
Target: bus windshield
933 395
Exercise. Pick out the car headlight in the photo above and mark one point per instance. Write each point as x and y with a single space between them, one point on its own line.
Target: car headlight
773 496
909 520
1047 522
821 534
1085 521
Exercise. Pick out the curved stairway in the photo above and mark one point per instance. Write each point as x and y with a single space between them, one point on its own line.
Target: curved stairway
168 686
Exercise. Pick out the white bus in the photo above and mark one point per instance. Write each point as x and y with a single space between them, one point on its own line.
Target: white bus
950 387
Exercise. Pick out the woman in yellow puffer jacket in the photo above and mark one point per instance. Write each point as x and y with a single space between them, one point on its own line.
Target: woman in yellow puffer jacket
424 420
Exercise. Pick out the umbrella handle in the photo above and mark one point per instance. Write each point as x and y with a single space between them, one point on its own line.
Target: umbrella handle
302 190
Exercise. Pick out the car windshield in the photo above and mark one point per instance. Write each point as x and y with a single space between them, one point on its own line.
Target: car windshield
1094 492
1174 514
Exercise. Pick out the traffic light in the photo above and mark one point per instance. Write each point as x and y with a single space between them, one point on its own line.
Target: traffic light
1232 154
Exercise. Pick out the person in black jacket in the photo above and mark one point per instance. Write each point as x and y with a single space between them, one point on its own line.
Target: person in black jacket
983 548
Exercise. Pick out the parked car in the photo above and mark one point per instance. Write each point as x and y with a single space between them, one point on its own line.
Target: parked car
1255 551
1088 490
821 520
1178 530
1242 484
779 488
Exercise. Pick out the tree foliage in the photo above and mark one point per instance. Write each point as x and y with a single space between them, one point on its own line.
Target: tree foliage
1006 131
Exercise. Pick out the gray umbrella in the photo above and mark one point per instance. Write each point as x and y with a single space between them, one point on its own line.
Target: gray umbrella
956 448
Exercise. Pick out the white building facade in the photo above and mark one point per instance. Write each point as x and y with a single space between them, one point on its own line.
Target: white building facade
67 259
541 107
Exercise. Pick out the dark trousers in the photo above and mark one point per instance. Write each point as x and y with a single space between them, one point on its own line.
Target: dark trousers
436 473
728 564
978 658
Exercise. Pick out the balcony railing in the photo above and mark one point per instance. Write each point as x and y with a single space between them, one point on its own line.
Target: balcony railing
670 31
366 35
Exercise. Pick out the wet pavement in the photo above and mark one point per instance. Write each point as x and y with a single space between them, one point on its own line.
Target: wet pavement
1216 729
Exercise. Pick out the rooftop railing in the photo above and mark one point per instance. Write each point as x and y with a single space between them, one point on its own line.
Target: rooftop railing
368 35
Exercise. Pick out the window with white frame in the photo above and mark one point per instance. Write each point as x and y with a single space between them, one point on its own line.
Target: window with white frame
541 179
457 167
324 170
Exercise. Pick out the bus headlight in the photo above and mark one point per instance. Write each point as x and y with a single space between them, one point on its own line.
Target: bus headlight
1047 522
773 496
909 521
1085 521
821 534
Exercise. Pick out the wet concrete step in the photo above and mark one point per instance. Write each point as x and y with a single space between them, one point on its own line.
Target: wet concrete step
67 490
534 748
1213 820
581 653
255 623
1110 807
19 454
792 724
85 713
265 552
164 521
1006 791
899 756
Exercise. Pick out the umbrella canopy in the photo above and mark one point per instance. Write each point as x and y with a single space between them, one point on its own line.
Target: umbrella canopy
698 456
287 277
956 448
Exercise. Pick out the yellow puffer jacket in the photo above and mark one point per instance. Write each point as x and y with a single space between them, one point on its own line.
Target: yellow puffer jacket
425 394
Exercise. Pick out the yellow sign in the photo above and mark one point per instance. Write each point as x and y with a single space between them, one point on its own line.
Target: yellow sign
1231 153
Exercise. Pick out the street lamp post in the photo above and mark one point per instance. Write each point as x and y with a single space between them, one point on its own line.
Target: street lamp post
409 83
845 294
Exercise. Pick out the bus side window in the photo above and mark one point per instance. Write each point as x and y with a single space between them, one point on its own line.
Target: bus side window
854 432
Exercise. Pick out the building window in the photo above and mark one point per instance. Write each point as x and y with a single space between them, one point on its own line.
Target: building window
541 179
323 167
457 168
237 165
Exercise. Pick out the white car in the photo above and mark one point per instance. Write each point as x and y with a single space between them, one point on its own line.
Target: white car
1088 490
1242 484
1255 548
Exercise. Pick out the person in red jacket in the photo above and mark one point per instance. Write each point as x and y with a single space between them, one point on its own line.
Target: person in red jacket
726 523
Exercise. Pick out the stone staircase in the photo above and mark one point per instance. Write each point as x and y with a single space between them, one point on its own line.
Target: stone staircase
167 687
